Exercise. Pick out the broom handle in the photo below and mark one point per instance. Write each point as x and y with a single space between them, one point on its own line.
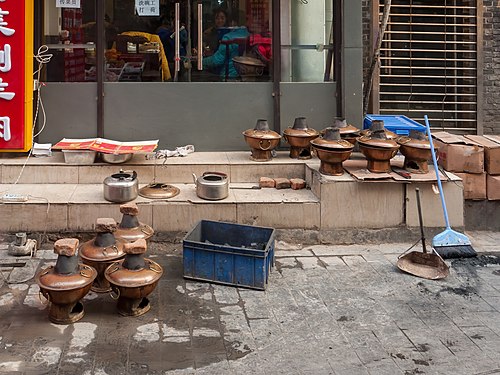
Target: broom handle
422 236
434 161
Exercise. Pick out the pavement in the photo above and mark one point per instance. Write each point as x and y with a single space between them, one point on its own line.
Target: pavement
328 309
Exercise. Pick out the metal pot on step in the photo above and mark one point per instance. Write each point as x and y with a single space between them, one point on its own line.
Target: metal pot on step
121 187
212 186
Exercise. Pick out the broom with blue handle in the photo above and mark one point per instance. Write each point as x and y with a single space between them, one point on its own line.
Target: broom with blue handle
449 243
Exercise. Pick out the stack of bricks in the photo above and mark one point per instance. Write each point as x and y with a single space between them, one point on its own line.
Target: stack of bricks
282 183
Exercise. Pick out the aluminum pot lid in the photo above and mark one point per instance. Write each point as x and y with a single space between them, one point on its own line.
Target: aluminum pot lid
118 275
89 251
50 280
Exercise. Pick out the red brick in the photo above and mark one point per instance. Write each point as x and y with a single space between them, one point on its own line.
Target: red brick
282 183
297 183
266 182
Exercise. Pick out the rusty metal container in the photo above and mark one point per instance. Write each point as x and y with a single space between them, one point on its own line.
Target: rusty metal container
133 279
130 229
377 126
101 251
299 138
66 283
347 131
417 151
378 150
332 151
262 141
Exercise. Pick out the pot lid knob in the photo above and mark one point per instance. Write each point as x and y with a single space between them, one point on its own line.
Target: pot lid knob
332 134
105 225
262 125
66 246
136 247
130 209
339 122
300 123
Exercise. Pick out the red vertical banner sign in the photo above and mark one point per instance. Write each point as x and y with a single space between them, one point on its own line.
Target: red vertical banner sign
16 75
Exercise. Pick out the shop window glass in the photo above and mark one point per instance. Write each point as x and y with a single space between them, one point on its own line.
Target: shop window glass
234 42
70 35
142 48
307 41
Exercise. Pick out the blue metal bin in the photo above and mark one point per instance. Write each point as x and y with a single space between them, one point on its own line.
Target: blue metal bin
400 125
227 253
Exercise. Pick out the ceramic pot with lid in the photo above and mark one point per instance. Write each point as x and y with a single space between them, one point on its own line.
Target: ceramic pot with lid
332 150
261 140
121 187
212 186
299 138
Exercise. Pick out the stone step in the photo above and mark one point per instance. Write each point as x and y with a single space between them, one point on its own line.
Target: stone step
68 198
75 208
237 165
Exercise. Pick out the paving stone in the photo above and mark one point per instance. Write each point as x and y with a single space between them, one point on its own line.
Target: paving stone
333 311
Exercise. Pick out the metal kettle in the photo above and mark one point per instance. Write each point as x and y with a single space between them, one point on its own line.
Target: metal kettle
212 185
121 187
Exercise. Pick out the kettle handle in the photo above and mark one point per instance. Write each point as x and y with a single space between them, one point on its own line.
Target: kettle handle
134 173
195 179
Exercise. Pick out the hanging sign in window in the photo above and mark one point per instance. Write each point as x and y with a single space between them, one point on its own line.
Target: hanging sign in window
68 3
147 7
16 74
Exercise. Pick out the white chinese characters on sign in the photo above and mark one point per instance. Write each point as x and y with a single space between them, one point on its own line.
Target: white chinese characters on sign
5 66
5 128
3 24
68 3
5 62
5 95
147 7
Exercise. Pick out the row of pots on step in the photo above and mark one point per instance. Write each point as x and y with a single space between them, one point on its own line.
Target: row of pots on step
334 145
113 261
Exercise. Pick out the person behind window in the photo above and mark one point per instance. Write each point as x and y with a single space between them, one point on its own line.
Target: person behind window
165 31
211 36
231 45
